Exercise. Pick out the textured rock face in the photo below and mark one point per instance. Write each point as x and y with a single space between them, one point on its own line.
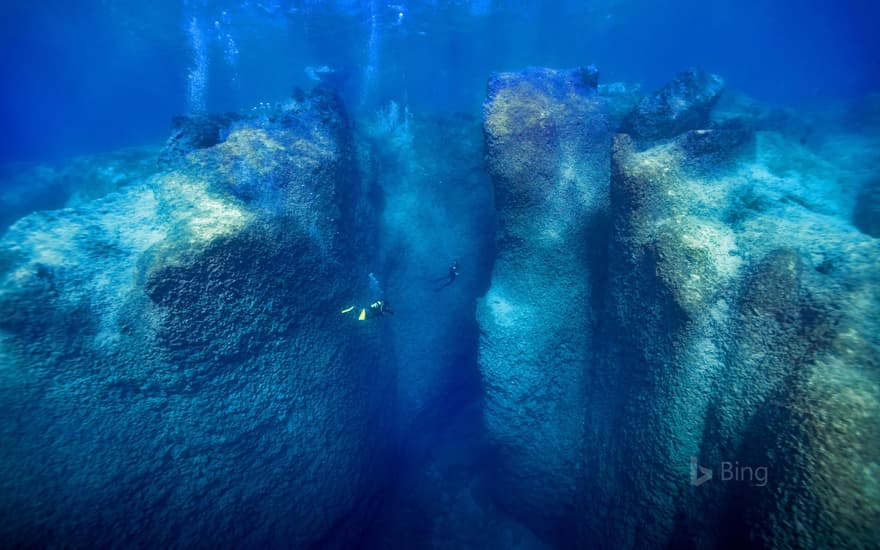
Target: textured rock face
866 215
547 142
681 105
740 316
25 189
174 360
191 132
730 326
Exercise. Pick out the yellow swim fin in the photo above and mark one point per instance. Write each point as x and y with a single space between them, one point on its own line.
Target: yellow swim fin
363 315
346 310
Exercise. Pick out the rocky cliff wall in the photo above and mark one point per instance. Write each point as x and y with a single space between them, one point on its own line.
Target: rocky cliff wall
175 367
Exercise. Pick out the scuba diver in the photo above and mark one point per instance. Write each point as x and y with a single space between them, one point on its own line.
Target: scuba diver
379 308
449 279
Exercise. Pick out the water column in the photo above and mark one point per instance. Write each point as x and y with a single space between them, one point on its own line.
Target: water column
224 35
372 53
197 78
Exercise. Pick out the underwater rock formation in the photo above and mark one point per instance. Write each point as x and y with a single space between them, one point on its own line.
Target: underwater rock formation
724 143
682 104
194 131
174 359
547 144
742 337
28 188
716 315
866 215
622 98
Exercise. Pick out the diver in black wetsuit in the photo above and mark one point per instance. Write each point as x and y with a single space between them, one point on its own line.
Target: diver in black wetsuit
450 278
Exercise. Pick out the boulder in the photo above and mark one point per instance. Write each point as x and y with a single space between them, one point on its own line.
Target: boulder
683 104
175 368
723 143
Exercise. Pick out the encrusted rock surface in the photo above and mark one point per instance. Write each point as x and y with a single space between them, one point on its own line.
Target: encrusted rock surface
548 144
718 312
866 214
174 359
196 131
26 188
741 338
683 104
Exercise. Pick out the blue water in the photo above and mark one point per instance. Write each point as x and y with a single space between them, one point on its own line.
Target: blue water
87 76
181 359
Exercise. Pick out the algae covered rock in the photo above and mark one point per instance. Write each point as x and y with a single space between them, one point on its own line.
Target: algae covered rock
683 104
547 144
731 328
695 255
672 265
866 215
715 310
776 410
725 142
26 188
174 359
195 131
